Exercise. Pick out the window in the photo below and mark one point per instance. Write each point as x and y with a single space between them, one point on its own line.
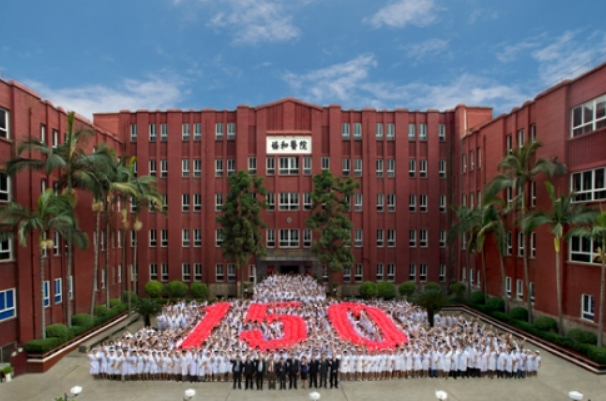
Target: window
289 165
521 138
464 163
411 168
423 238
133 134
218 167
472 199
5 187
442 238
412 238
345 130
197 131
520 244
357 131
347 274
380 168
584 250
509 195
152 168
197 167
379 131
442 273
185 132
4 124
231 166
391 168
423 203
412 272
358 167
153 271
509 243
391 272
153 238
58 290
185 167
380 237
270 166
47 289
252 165
359 273
589 116
358 237
412 202
325 163
442 132
442 203
442 169
508 286
422 132
289 201
391 131
164 238
411 132
164 267
533 133
306 165
185 202
289 238
219 272
380 203
271 238
589 185
531 292
479 156
346 167
270 199
520 289
588 307
185 238
163 168
42 133
218 237
509 144
57 243
533 193
197 272
533 244
185 272
423 272
391 202
307 203
219 131
471 161
391 237
231 131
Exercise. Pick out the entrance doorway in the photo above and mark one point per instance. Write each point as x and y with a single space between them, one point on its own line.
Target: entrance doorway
289 269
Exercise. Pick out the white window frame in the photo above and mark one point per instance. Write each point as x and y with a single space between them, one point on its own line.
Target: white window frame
231 131
588 123
423 272
153 238
185 272
325 163
441 132
359 273
380 271
270 165
472 161
391 272
197 272
464 162
270 238
412 272
442 238
347 274
412 238
442 169
412 167
588 307
533 245
533 194
288 165
197 237
164 238
379 131
422 132
358 202
185 167
358 237
391 202
197 202
423 168
519 289
231 272
423 203
58 294
358 167
412 134
380 203
380 238
197 131
345 131
153 271
185 237
379 168
219 273
520 244
508 286
164 275
346 167
508 144
442 276
231 166
288 201
218 167
412 202
185 132
46 298
587 186
252 165
509 243
391 237
43 133
391 168
423 235
357 130
270 200
218 131
218 237
442 203
5 124
164 168
307 237
163 132
133 135
307 201
252 273
391 132
289 238
479 157
185 202
306 165
152 167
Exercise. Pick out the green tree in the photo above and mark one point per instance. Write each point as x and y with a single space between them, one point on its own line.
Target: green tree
53 212
518 169
467 227
241 220
330 205
596 231
146 308
564 213
433 300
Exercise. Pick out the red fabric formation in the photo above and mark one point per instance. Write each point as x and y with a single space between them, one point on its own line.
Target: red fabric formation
294 327
214 315
392 336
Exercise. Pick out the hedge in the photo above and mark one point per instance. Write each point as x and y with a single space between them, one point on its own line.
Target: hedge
154 288
175 289
115 303
42 346
407 288
57 331
386 290
582 336
458 289
198 290
432 286
82 319
495 304
519 313
75 331
368 289
546 323
100 310
478 297
133 297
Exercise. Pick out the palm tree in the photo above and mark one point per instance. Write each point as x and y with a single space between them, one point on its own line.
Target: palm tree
53 212
490 222
596 232
564 213
433 300
518 169
147 307
468 226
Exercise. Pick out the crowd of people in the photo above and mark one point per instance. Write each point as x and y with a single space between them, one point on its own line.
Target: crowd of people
455 347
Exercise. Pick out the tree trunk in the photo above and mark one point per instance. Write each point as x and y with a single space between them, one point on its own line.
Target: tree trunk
525 260
602 285
68 273
96 261
129 271
484 280
123 263
107 246
430 316
503 284
42 310
559 288
468 274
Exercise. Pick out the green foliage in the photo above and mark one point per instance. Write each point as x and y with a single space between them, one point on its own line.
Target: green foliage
7 370
407 288
100 310
154 289
386 290
546 323
458 289
115 303
432 286
597 354
82 319
501 316
175 289
433 300
368 290
331 201
42 346
57 331
146 308
212 300
75 331
478 297
495 304
582 336
133 297
199 290
519 313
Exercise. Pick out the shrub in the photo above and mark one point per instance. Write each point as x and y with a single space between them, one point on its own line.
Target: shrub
495 304
432 286
519 313
386 290
478 297
75 331
115 303
42 346
133 297
582 336
564 341
154 289
546 323
407 288
597 354
100 310
57 331
82 319
198 290
368 289
7 370
501 316
458 289
175 289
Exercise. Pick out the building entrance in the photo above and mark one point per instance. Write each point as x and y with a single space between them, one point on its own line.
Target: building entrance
289 269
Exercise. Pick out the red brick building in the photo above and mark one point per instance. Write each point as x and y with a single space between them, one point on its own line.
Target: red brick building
410 166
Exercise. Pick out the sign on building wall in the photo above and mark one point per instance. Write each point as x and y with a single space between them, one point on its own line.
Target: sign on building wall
288 145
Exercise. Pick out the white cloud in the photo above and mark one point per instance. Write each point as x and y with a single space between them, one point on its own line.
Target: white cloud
481 14
398 14
154 93
511 52
349 84
429 47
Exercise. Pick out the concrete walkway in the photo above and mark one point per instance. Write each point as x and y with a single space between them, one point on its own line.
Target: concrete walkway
555 380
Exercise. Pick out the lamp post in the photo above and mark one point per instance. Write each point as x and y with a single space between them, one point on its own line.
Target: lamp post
189 394
74 391
575 396
441 395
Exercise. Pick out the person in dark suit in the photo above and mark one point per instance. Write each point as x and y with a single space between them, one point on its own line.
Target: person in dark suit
334 371
271 373
323 370
260 370
292 365
236 370
314 367
281 371
249 371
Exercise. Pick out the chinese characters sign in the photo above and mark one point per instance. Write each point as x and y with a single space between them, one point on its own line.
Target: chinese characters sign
288 145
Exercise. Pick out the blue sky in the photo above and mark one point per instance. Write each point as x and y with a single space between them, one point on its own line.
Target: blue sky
95 56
